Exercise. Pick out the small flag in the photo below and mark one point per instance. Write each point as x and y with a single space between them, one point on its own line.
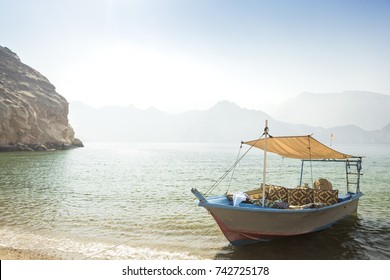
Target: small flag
331 138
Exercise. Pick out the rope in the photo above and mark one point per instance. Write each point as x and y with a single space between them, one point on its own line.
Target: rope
231 177
229 170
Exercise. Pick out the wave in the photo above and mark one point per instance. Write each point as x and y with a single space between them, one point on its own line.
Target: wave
67 248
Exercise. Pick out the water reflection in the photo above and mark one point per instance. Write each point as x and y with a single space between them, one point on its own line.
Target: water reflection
341 241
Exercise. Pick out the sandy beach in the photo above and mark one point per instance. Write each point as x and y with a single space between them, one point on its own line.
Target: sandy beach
18 254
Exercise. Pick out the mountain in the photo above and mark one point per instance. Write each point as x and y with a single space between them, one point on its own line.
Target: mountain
383 135
224 122
368 110
33 116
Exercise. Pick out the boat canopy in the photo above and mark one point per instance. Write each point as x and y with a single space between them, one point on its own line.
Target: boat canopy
299 147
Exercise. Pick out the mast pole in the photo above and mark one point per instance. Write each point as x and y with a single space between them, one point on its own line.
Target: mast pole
265 160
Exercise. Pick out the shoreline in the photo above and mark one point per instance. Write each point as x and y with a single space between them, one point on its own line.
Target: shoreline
7 253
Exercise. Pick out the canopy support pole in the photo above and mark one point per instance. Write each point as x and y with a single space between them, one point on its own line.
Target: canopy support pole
300 179
265 160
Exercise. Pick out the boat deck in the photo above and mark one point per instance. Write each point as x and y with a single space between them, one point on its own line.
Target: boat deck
222 201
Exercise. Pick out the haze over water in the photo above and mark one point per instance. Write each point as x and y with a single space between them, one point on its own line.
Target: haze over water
133 201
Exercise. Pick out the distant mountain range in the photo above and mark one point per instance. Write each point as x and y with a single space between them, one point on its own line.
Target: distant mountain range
227 122
368 110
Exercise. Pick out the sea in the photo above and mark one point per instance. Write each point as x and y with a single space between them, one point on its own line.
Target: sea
133 201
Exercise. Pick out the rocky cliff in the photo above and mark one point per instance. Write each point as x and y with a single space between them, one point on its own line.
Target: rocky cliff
33 116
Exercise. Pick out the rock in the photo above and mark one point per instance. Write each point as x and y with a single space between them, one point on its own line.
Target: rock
33 116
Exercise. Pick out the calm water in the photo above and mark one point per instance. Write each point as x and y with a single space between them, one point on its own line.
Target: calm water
133 201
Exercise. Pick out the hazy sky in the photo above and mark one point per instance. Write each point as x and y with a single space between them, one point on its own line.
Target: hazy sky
178 55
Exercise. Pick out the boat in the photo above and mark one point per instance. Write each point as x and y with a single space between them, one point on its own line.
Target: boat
271 211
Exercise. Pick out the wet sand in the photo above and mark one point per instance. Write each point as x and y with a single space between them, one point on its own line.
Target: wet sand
18 254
